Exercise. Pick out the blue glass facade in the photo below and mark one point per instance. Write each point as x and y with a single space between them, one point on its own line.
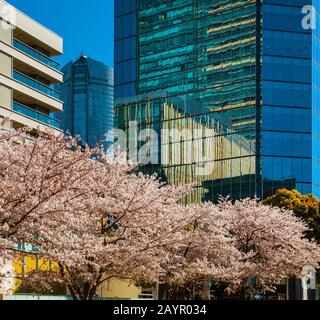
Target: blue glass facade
249 65
316 103
125 48
288 62
290 132
87 93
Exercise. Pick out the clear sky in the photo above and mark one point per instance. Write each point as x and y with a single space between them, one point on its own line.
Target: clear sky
85 25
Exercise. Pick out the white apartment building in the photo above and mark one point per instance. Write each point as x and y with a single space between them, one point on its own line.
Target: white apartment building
28 72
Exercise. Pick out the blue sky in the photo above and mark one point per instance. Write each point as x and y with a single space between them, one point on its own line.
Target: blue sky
85 25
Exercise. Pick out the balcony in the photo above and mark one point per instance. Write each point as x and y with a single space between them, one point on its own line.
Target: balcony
35 85
26 111
35 54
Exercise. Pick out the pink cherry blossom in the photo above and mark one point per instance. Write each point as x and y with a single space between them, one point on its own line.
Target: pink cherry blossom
94 217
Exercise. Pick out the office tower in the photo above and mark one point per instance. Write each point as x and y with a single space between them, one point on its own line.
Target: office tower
247 68
87 93
27 71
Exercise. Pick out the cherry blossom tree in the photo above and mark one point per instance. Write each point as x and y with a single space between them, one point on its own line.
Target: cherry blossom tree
94 218
7 277
84 211
40 177
237 244
207 252
271 242
124 234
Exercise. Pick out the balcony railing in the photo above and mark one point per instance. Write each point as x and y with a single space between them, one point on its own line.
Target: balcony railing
35 54
35 84
26 111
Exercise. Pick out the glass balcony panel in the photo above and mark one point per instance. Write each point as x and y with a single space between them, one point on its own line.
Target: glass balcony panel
26 111
35 84
35 54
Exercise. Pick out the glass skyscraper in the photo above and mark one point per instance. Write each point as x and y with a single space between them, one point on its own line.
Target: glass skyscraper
87 93
245 68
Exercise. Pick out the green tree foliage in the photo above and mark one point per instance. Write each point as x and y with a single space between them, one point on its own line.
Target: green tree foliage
305 207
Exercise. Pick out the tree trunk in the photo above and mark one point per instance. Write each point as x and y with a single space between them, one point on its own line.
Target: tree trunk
243 293
92 292
73 293
207 291
87 293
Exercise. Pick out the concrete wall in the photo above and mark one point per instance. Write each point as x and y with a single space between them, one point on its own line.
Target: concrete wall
5 97
5 64
5 32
